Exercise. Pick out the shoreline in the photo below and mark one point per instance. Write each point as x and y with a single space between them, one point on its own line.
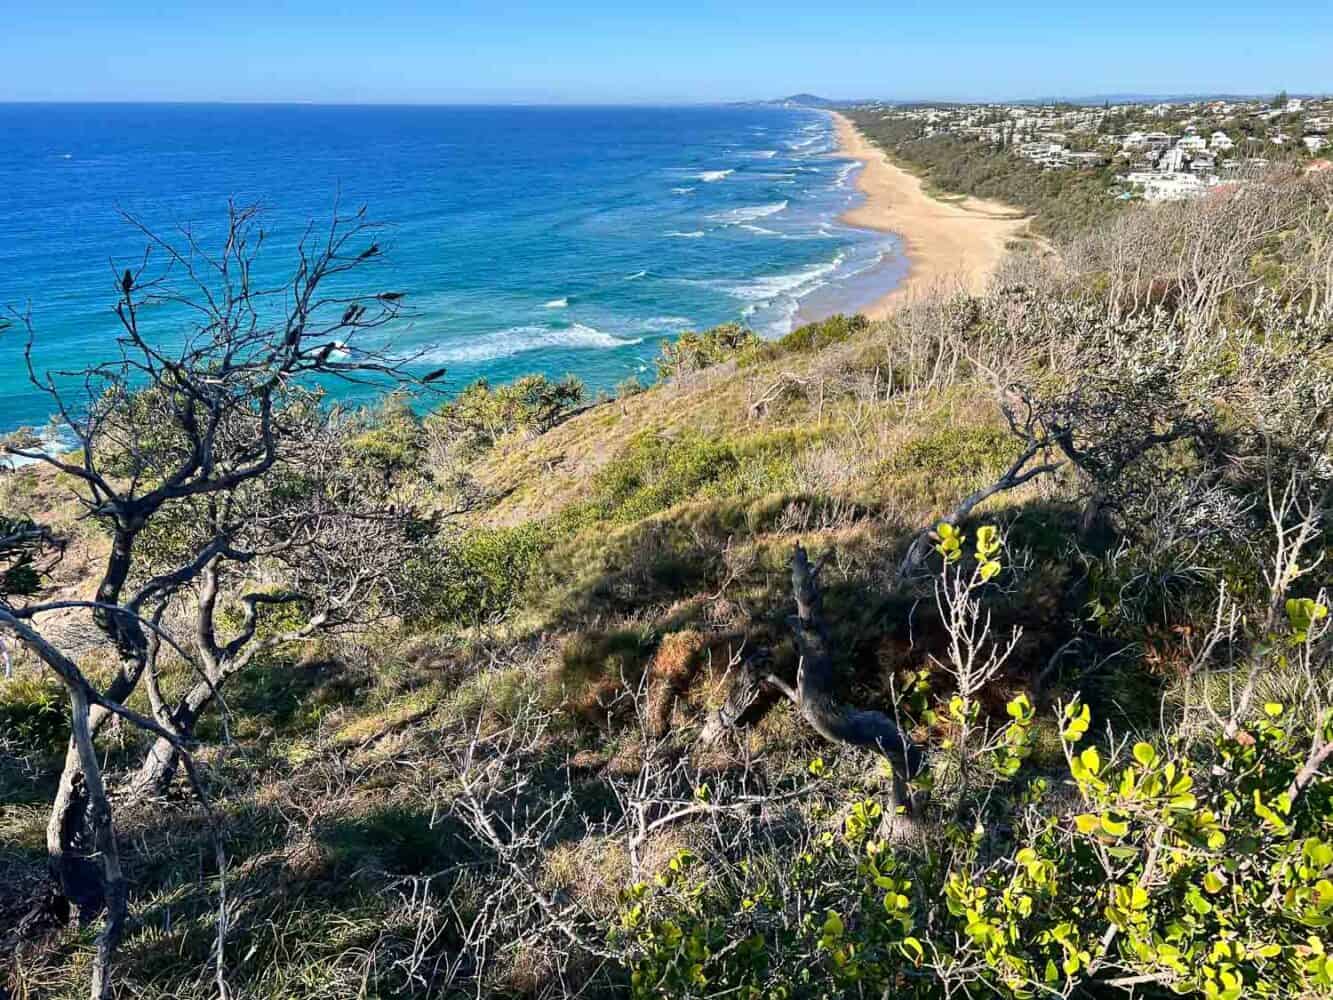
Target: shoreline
947 245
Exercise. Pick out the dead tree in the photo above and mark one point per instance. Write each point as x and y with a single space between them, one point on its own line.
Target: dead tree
320 523
815 693
161 430
1030 426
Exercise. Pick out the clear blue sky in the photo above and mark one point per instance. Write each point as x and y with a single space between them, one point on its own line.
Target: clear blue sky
594 51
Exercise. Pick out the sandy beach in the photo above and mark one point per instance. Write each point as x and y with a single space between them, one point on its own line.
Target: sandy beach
948 244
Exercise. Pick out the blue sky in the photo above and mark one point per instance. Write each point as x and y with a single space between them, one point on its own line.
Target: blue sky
593 51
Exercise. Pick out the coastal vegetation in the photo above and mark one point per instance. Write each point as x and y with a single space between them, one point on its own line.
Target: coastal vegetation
980 651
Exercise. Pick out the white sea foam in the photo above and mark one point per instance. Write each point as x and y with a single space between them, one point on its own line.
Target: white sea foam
846 172
52 441
793 284
760 230
636 275
556 304
713 176
521 339
683 190
650 326
764 154
693 235
748 213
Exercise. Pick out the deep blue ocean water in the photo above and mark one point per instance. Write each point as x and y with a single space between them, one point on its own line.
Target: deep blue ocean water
527 239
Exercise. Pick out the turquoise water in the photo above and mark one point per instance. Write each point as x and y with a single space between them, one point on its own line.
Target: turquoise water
527 239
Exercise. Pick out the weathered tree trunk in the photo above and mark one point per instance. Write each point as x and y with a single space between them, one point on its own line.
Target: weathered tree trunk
76 879
159 766
69 827
103 835
747 697
831 718
814 695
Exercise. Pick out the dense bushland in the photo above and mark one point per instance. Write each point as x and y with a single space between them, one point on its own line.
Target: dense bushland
587 732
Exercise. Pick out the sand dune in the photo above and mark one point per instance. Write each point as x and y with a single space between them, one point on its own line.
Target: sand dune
949 244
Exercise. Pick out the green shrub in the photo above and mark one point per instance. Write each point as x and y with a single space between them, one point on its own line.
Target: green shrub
475 578
964 453
21 542
655 473
1187 871
692 352
630 387
393 441
816 336
482 415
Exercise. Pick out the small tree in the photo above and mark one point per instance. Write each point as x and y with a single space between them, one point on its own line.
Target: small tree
201 458
482 414
692 352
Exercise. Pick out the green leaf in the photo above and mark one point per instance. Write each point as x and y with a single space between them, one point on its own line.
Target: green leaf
1091 759
988 540
1114 827
1145 754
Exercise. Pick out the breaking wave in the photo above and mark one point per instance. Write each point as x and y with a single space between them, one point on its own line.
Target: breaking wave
749 213
521 339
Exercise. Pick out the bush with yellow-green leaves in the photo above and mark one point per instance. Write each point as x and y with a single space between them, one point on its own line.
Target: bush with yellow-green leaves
1199 863
1183 869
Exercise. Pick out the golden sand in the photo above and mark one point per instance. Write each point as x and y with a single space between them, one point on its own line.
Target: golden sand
953 244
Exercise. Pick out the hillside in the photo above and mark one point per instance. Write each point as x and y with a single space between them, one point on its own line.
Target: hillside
980 650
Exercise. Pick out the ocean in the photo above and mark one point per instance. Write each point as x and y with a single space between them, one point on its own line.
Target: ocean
554 240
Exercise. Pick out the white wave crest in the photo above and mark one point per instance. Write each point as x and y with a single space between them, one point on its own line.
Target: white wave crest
713 176
684 190
749 213
521 339
693 235
846 172
760 230
793 285
636 275
556 304
764 154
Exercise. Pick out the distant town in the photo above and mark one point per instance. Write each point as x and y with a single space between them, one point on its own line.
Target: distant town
1157 151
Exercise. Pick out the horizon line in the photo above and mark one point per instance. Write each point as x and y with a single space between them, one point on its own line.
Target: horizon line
1130 97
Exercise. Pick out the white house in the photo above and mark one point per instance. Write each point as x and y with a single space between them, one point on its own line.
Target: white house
1192 143
1221 142
1173 160
1314 143
1174 187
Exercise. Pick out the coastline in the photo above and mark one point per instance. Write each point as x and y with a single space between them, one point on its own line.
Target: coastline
947 244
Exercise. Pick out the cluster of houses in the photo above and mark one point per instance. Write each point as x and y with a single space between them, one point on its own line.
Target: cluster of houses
1172 150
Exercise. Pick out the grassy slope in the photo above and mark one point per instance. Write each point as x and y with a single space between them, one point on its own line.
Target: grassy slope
347 740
